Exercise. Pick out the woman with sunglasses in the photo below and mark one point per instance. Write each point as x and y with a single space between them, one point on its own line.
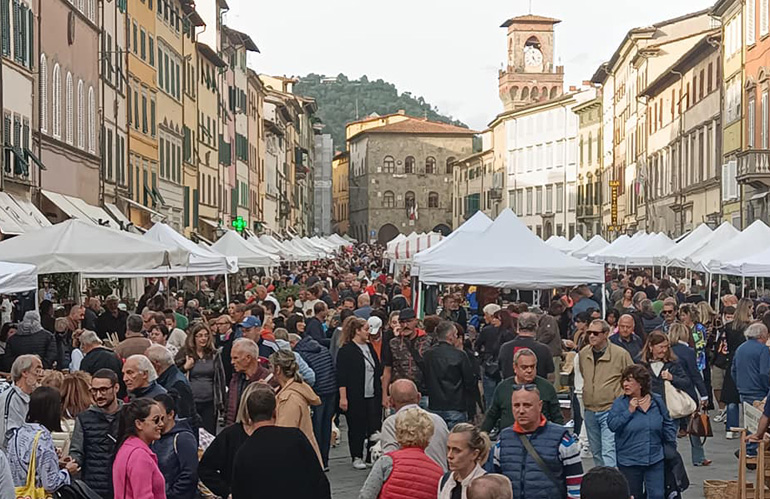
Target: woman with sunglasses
734 336
135 472
642 427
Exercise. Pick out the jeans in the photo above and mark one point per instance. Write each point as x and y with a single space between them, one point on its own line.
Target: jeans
322 424
451 418
649 479
733 416
751 448
698 454
600 438
489 385
208 415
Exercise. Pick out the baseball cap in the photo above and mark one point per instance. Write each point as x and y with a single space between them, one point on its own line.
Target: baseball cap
406 315
375 323
251 321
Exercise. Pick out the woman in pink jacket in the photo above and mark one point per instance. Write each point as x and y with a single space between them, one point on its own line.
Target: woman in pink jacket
135 472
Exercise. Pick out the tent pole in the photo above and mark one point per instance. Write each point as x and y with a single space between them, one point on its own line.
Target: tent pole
719 291
227 292
743 286
755 282
604 299
708 281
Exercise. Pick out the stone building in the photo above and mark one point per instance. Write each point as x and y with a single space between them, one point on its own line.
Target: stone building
340 193
399 180
589 175
479 181
324 150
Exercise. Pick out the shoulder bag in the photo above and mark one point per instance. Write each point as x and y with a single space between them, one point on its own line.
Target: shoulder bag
29 490
679 404
560 485
700 425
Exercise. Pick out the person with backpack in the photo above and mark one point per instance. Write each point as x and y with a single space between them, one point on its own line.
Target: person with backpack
177 452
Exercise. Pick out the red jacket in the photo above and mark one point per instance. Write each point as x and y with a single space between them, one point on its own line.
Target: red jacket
414 476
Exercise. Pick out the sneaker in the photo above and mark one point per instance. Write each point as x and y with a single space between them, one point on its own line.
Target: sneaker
731 435
359 464
721 417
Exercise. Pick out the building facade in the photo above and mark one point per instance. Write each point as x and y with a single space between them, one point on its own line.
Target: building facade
324 151
589 167
399 180
256 103
478 183
340 193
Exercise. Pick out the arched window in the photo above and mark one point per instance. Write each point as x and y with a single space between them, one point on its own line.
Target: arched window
81 115
514 93
433 200
69 126
388 199
43 94
56 115
388 164
525 93
535 93
409 164
430 165
554 92
449 166
409 203
544 93
91 120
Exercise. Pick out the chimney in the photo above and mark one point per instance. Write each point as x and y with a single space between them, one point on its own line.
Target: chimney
572 88
401 112
586 83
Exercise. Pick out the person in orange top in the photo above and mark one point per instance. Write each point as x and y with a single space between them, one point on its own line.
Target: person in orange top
375 334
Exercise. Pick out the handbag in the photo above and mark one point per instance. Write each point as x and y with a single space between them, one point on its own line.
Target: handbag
29 490
700 425
679 404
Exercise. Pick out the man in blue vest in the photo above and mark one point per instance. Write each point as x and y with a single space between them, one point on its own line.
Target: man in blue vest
541 459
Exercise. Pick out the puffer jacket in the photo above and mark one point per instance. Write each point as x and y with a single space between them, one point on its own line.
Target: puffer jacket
320 360
37 341
177 453
93 444
292 409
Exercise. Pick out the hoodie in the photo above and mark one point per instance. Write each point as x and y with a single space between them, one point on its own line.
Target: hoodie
320 360
651 321
304 369
177 453
292 409
31 338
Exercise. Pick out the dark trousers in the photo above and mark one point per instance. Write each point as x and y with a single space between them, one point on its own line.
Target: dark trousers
322 424
646 479
208 415
364 418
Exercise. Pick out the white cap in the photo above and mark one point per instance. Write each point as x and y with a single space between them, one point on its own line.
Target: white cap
375 323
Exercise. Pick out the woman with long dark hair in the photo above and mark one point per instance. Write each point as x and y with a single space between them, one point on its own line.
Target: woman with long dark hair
733 333
202 362
32 441
135 472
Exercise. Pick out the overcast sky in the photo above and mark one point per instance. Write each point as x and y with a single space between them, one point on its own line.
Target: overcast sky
448 51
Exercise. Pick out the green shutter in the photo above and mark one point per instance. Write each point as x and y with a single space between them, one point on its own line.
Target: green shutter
195 202
186 208
234 201
146 188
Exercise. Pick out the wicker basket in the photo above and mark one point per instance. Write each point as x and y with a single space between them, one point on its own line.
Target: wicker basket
715 489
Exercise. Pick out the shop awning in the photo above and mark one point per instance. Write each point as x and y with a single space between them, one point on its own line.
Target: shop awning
77 208
119 217
19 216
142 207
211 223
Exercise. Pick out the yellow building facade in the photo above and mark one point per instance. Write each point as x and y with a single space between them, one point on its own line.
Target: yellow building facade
340 193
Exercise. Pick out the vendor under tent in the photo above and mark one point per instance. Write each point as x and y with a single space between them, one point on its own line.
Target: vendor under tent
506 255
82 247
576 243
644 254
753 240
558 242
694 241
233 245
596 243
17 278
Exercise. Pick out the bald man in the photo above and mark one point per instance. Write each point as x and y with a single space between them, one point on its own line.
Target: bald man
627 338
490 486
404 395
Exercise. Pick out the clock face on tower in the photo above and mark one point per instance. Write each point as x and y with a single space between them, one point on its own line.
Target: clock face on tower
533 58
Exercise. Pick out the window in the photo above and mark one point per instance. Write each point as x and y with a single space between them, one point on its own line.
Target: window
751 26
143 44
539 201
81 115
144 112
764 22
56 117
433 200
751 122
91 120
765 117
388 164
549 198
449 161
5 28
69 110
430 165
409 164
388 199
559 198
529 201
151 49
152 117
43 94
136 37
409 203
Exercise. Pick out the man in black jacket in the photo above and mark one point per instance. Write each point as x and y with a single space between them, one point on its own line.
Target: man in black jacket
31 338
449 377
112 320
302 479
98 357
172 379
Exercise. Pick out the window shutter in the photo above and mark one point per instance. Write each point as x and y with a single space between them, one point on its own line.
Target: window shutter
186 207
234 201
764 22
751 21
195 201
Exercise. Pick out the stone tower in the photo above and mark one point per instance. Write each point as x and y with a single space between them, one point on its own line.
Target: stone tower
530 75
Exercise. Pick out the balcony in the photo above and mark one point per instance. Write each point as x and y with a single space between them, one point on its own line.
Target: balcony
588 211
754 168
300 172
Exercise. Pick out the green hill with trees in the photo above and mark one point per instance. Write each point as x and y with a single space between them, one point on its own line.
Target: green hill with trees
341 100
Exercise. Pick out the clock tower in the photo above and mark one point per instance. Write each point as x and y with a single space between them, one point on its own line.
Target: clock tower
530 75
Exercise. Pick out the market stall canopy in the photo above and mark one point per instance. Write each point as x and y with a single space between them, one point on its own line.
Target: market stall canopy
264 248
232 244
302 253
324 243
754 239
558 242
275 247
478 223
596 243
391 245
406 250
78 246
202 261
311 248
757 265
695 241
17 277
339 241
618 247
647 251
349 239
506 255
576 243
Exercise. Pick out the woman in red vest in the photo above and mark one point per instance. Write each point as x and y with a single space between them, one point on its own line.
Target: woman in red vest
406 473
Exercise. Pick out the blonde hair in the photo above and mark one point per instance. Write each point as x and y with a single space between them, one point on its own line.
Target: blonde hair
243 411
678 332
705 312
76 393
286 362
414 428
52 378
477 439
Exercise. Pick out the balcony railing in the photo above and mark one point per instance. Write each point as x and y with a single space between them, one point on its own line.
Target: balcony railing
754 167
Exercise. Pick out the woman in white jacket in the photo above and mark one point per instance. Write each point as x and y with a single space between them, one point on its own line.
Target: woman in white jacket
467 450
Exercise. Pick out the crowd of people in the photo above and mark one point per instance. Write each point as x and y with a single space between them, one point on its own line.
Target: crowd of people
179 396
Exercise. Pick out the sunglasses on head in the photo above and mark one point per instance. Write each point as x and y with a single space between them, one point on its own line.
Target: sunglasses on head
528 387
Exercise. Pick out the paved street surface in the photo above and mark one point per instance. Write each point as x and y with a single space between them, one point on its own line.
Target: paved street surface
346 482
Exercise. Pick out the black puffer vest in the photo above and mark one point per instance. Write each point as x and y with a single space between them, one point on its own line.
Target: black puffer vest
100 432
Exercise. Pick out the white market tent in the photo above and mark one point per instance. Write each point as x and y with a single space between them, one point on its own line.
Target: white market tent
558 242
576 243
338 240
391 245
596 243
275 247
17 277
478 223
308 245
651 248
82 247
757 265
405 250
618 249
506 255
249 256
349 239
694 241
326 250
303 254
264 248
614 246
753 240
324 243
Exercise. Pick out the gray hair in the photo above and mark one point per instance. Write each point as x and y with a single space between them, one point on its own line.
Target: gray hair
144 364
31 323
528 322
159 355
523 352
22 364
646 305
89 338
491 308
755 331
638 297
135 323
604 324
248 346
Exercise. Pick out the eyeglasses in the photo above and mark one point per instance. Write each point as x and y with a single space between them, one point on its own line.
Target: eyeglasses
101 390
530 387
668 312
594 333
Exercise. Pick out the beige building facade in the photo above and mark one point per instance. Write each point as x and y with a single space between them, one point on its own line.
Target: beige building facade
589 167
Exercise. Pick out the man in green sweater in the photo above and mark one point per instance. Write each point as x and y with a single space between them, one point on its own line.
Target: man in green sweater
525 373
